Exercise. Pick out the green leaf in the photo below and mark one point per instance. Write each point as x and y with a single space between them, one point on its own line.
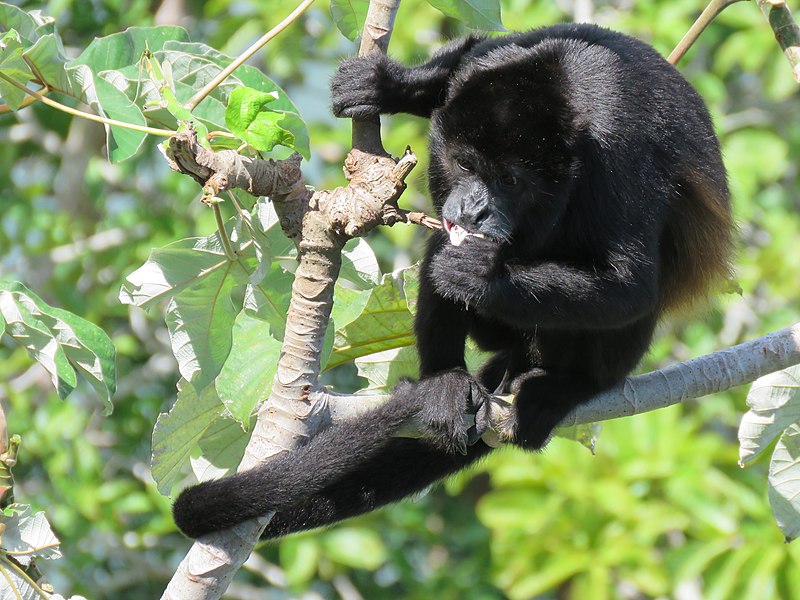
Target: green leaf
385 323
269 301
774 402
359 265
176 432
480 14
30 25
173 268
12 67
356 547
299 558
384 369
784 482
348 304
127 48
349 16
200 319
249 117
49 58
60 341
246 377
222 448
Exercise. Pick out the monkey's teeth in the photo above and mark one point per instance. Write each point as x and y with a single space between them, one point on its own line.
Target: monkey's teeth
457 234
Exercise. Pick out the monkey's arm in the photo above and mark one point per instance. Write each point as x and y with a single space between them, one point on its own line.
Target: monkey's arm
367 86
548 293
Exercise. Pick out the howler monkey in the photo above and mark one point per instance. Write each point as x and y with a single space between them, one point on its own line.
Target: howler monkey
582 193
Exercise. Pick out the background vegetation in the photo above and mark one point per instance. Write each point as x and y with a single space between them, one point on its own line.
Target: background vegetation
661 510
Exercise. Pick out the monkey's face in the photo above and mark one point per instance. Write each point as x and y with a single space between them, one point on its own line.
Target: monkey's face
501 153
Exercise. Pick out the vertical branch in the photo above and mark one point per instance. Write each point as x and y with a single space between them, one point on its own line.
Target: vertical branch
786 31
377 32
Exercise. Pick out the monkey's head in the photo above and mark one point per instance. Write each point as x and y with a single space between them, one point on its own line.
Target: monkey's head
501 148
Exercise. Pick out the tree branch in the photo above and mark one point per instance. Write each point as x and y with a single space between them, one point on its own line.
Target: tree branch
786 31
680 382
704 20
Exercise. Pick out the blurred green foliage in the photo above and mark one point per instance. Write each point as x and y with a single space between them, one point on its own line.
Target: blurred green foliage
661 510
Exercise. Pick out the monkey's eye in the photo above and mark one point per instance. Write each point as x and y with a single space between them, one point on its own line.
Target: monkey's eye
508 180
465 165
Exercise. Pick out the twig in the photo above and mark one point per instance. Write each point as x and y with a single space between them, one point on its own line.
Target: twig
709 14
240 60
84 115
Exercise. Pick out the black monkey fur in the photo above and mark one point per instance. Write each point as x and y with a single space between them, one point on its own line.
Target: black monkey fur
589 169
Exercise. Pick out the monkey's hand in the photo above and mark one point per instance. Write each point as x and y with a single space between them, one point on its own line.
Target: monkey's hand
445 398
358 85
466 273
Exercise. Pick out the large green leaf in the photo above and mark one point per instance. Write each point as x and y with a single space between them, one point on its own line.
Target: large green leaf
349 16
174 268
384 369
119 50
784 482
247 375
385 323
250 116
222 448
480 14
774 402
177 432
200 319
60 341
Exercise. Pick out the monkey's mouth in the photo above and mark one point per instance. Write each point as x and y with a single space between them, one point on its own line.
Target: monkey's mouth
457 233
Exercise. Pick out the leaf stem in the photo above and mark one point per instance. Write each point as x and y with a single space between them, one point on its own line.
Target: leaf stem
212 85
85 115
226 242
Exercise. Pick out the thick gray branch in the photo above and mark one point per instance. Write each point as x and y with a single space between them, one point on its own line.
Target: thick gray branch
676 383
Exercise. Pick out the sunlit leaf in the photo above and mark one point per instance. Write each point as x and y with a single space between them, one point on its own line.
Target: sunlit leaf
784 482
385 323
384 369
176 432
774 402
246 377
250 116
60 341
28 536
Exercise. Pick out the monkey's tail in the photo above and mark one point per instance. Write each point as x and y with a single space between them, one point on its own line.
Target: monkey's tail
400 468
348 469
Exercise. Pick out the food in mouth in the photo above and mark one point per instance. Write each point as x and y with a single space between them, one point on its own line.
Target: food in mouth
457 233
